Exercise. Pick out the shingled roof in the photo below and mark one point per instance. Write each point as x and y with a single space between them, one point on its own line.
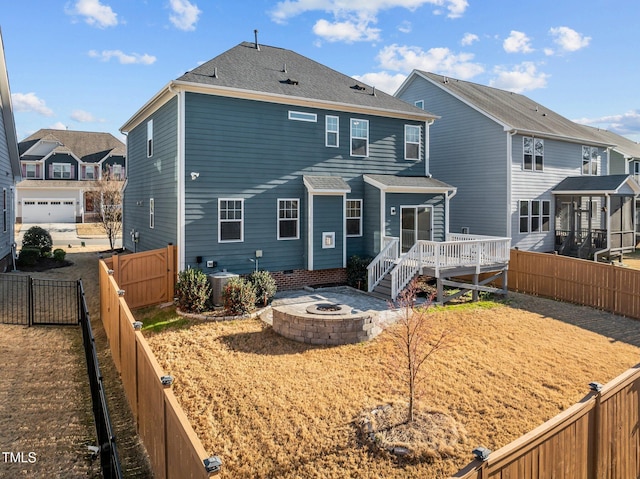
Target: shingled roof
623 145
513 110
287 74
90 147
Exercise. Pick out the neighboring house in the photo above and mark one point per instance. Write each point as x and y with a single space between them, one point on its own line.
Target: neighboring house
9 167
510 156
59 171
262 158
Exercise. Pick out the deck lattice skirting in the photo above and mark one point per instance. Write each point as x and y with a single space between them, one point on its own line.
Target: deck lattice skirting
459 256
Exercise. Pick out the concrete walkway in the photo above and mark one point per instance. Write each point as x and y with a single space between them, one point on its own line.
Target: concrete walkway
65 234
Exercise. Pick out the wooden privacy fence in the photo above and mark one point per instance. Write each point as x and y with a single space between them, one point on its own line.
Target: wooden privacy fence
148 277
602 286
597 438
174 449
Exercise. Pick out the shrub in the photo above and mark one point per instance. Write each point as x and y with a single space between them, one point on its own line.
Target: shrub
59 254
28 256
38 237
264 285
239 297
192 290
357 271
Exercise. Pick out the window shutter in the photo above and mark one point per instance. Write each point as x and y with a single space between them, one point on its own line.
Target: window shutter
24 170
50 170
37 171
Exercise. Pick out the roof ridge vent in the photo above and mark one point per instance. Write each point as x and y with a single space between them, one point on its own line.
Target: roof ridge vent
358 87
291 81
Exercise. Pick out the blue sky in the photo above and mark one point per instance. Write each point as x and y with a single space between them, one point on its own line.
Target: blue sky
91 64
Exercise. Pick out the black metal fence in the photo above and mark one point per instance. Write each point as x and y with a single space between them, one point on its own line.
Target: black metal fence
29 301
109 459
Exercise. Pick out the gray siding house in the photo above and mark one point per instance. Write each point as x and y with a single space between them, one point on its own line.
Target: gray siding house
264 159
508 156
59 171
9 167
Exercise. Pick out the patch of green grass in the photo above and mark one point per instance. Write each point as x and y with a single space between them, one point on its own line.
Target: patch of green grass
156 319
470 306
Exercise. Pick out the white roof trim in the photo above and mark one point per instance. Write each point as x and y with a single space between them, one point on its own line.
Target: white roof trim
407 189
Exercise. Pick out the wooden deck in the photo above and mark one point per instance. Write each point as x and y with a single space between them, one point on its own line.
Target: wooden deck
459 256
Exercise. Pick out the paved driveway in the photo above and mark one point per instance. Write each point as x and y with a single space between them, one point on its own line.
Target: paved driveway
65 234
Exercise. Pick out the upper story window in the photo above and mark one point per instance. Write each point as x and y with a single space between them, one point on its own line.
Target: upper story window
31 170
533 153
152 213
90 173
149 138
411 142
230 220
288 219
61 171
359 137
419 104
589 160
116 172
332 137
303 116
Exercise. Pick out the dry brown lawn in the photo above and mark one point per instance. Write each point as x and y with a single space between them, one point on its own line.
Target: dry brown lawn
274 408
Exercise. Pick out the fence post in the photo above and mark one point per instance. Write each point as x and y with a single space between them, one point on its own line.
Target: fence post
116 268
30 312
171 271
595 438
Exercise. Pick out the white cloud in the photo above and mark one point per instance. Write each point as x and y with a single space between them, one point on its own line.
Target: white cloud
185 14
468 39
437 60
517 42
123 58
58 125
347 31
352 19
29 102
521 78
383 81
624 123
568 39
549 51
94 13
82 116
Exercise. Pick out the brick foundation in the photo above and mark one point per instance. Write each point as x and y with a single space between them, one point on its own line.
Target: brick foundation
296 279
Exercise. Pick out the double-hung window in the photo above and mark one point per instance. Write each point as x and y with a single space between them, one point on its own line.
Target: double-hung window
90 173
411 142
589 160
116 172
533 153
535 215
359 137
30 170
354 217
332 136
288 218
149 138
61 171
230 220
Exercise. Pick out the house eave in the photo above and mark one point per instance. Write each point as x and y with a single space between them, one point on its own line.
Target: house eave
407 189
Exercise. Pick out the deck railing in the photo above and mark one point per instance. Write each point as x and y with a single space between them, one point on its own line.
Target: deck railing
382 263
459 251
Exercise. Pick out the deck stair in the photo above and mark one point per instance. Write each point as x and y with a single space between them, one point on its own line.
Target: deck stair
461 255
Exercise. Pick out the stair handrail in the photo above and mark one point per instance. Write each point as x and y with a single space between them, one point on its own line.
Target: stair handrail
382 263
405 269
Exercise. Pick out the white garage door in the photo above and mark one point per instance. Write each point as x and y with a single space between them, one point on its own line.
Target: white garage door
48 211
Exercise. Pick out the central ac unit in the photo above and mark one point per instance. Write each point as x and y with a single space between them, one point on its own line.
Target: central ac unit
218 281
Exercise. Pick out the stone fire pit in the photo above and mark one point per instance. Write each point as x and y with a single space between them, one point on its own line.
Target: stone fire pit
323 323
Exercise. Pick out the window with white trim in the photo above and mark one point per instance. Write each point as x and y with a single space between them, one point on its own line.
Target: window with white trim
303 116
288 218
61 171
152 213
31 170
332 135
411 142
419 104
149 138
589 160
533 153
535 215
90 172
359 137
116 172
354 218
230 220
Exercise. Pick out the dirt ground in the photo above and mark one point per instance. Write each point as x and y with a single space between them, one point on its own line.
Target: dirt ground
274 408
46 420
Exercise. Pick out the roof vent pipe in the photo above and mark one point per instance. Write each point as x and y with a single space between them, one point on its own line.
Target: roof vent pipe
255 32
284 68
373 93
215 72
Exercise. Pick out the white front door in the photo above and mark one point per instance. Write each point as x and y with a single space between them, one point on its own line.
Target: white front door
415 225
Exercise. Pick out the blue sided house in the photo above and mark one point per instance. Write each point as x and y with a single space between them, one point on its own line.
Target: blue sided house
264 159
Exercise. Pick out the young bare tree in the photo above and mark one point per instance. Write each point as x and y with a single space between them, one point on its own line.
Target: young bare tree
107 200
414 342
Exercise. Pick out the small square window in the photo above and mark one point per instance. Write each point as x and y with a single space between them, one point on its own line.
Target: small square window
328 240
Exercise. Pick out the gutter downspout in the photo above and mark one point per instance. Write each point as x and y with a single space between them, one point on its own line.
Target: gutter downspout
447 198
427 150
510 135
180 167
